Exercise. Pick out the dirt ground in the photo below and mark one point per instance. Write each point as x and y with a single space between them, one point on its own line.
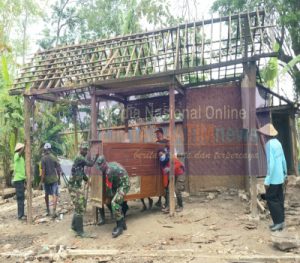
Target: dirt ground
213 227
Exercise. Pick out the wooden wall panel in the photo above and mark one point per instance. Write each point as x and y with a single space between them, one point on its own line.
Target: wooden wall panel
215 137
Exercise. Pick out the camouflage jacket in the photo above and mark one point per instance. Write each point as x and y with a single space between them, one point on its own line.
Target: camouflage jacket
117 179
77 171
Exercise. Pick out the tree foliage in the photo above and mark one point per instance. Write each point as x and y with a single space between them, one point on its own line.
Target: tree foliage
78 21
286 14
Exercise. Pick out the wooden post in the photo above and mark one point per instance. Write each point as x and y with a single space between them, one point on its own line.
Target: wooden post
94 112
27 114
248 90
293 135
172 150
75 128
94 136
126 135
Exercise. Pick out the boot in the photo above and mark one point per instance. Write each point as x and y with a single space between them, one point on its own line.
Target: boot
119 230
79 228
73 226
179 204
101 216
278 227
124 224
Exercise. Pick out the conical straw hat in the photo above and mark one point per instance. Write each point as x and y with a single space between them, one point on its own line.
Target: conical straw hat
268 130
19 146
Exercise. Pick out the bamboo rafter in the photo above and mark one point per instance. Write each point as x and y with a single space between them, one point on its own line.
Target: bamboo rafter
183 50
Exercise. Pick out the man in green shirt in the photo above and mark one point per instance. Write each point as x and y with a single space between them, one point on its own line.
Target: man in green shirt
50 176
19 178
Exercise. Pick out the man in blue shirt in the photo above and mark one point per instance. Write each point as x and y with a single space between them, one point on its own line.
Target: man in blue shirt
276 176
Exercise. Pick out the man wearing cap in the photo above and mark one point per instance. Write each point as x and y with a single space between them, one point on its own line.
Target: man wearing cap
75 188
50 177
117 186
19 178
276 176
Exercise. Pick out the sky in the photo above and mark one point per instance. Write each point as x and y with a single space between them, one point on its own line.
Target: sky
193 10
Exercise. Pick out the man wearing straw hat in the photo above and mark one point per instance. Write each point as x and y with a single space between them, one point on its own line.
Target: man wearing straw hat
276 177
19 178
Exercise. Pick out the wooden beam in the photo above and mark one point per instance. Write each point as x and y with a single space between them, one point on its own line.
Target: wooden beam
27 114
248 91
172 150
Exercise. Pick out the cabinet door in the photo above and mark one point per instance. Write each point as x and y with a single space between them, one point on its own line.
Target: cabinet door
141 162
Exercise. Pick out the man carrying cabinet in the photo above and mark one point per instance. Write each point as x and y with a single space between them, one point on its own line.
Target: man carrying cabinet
117 186
76 190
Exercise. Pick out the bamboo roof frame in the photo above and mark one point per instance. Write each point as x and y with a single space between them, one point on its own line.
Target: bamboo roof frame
186 55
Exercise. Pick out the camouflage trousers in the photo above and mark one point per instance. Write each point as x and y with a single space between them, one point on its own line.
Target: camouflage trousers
78 200
116 203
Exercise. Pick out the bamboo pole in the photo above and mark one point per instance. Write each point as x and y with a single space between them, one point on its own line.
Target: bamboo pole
27 113
172 150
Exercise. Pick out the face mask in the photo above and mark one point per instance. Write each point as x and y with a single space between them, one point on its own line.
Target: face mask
162 158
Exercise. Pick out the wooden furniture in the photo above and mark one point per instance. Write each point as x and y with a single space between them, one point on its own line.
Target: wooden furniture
140 161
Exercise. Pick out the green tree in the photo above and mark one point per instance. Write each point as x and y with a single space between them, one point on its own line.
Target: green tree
15 17
286 14
78 21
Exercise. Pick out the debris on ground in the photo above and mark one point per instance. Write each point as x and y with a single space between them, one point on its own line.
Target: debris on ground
285 241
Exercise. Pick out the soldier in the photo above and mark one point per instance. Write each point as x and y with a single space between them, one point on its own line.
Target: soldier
117 186
75 188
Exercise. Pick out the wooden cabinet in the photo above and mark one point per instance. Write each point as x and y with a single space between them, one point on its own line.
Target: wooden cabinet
141 162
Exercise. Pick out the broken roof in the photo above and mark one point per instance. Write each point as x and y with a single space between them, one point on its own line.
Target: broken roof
190 54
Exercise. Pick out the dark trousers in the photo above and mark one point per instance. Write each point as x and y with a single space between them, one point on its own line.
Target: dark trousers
275 201
20 194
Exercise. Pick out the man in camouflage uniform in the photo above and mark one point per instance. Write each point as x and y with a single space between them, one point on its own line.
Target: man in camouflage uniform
117 186
75 187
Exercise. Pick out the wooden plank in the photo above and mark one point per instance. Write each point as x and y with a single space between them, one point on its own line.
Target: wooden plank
172 150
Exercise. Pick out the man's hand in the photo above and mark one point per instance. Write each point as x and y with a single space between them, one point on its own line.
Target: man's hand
286 181
266 187
167 170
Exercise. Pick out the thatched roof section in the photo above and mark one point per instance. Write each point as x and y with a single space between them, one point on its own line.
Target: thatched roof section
199 52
